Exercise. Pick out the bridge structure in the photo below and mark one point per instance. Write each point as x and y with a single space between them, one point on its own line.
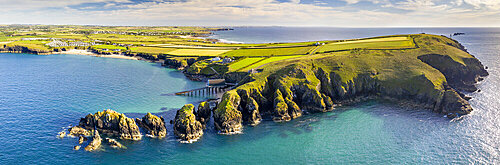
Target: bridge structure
213 87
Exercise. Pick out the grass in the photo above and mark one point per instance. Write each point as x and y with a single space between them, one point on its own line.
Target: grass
240 64
270 60
151 50
110 47
196 52
37 45
376 43
263 52
395 69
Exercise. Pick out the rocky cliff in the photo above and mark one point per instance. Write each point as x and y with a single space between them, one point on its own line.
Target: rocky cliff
203 113
112 123
186 127
154 125
430 76
227 118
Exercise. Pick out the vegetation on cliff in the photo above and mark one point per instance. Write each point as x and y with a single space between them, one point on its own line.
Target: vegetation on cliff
154 125
288 80
186 127
431 75
227 118
112 123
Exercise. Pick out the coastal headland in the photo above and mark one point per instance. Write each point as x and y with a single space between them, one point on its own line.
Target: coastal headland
275 81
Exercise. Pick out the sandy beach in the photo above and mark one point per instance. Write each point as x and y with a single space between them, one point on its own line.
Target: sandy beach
88 53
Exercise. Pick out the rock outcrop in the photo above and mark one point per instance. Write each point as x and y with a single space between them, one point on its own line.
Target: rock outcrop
82 139
77 131
178 63
61 134
154 125
112 123
203 113
95 143
280 112
459 76
114 144
249 108
186 127
227 118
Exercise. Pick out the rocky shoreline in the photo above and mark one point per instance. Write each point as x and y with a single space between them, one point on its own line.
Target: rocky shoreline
297 89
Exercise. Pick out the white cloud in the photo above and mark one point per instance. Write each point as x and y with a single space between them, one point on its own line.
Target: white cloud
457 2
9 5
372 1
427 6
490 4
255 12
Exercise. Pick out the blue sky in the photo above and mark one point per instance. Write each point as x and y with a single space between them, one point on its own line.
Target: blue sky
337 13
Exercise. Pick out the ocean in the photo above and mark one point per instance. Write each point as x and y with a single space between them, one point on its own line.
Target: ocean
42 95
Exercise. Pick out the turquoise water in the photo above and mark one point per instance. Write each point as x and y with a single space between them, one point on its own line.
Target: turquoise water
39 95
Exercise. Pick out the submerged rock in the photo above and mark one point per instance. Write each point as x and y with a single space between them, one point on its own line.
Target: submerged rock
203 113
154 125
95 143
77 131
227 118
186 127
112 123
114 144
61 134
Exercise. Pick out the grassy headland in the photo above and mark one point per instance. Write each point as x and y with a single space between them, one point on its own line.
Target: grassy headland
287 78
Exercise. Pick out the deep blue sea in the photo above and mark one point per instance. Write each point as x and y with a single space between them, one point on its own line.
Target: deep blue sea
42 95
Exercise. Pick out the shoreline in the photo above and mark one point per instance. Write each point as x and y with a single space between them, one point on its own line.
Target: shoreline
77 52
88 53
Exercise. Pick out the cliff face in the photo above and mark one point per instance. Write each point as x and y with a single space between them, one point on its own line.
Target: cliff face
154 125
179 63
317 84
186 127
227 118
459 76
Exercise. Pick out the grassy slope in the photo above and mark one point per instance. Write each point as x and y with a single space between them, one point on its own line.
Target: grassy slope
268 52
151 50
196 52
243 63
36 45
376 43
393 68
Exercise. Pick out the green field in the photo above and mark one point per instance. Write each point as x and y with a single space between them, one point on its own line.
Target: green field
38 45
270 60
376 43
150 50
109 47
243 63
196 52
261 52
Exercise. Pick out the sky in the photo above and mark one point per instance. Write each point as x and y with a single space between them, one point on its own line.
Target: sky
333 13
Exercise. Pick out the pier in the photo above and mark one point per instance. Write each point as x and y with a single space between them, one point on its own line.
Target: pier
214 87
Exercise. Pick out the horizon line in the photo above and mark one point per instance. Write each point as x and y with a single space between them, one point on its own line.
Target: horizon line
253 26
